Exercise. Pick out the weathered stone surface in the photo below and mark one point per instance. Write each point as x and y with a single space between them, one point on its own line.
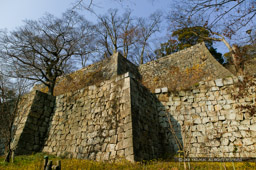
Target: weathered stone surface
228 81
247 141
35 116
239 116
103 131
164 90
231 116
253 127
224 141
216 117
121 118
157 90
198 121
219 82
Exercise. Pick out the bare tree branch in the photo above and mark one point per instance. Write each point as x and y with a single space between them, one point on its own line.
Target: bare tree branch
40 50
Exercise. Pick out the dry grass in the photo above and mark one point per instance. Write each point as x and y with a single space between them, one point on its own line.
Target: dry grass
176 79
35 162
76 80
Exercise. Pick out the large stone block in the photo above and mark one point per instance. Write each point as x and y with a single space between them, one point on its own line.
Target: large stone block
247 141
224 141
120 153
228 81
253 127
219 82
231 116
129 151
110 147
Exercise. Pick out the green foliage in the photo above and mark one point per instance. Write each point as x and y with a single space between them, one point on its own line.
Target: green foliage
216 55
187 37
24 162
169 47
191 36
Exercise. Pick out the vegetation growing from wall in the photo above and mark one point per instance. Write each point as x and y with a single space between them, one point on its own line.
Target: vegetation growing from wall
77 80
176 79
243 90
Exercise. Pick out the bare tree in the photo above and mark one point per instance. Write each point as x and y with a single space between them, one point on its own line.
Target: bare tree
234 13
228 19
89 4
230 15
128 34
83 4
116 32
6 115
110 27
10 93
146 28
41 50
236 54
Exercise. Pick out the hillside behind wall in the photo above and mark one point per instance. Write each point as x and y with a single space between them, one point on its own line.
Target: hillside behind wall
211 119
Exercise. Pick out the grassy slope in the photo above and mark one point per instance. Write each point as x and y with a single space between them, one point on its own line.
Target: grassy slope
35 162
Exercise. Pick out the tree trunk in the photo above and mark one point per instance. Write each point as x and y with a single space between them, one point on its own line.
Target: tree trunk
142 56
8 156
9 149
51 88
238 60
235 53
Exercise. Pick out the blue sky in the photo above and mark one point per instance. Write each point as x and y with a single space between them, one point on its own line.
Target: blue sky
13 12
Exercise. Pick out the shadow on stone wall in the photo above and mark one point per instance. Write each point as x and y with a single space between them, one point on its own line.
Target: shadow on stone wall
141 133
153 137
31 138
1 146
170 132
215 119
152 125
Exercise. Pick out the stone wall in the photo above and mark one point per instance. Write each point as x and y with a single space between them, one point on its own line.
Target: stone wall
216 119
23 110
124 66
146 129
2 146
32 122
187 68
92 75
93 123
109 116
104 122
19 122
183 69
